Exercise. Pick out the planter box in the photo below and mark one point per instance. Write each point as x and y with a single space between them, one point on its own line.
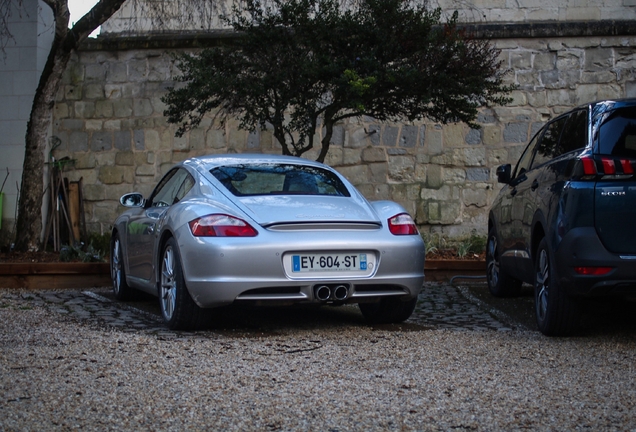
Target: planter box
89 275
54 275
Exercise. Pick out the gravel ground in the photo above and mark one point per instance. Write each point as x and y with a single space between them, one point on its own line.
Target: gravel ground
63 373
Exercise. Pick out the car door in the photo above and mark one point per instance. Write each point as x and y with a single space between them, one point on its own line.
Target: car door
142 228
534 192
511 230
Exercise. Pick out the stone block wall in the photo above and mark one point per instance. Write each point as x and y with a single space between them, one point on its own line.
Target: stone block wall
109 118
131 17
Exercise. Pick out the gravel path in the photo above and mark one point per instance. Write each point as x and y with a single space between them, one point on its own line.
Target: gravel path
62 371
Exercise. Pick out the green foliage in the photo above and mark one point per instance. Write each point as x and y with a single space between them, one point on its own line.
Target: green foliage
100 242
303 64
96 250
463 248
434 242
477 243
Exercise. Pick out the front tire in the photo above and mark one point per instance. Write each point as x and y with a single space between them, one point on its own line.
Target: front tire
557 313
121 289
388 310
500 284
178 310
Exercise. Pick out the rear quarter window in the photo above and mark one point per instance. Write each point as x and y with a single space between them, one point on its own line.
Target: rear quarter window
617 134
549 144
574 135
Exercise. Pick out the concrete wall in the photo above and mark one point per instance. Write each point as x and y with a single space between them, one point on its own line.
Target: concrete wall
134 16
109 118
515 11
24 59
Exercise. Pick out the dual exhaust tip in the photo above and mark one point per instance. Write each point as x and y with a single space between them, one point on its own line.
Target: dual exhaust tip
331 292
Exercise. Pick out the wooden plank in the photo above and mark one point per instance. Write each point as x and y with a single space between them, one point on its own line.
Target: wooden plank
54 281
74 208
54 268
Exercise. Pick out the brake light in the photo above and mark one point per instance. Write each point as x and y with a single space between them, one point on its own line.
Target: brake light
593 271
221 225
589 166
627 166
402 224
608 166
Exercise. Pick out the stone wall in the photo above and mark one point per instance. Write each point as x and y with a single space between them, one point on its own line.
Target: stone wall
109 118
136 16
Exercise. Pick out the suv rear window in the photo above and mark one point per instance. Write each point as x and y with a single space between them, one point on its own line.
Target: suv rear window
617 134
279 179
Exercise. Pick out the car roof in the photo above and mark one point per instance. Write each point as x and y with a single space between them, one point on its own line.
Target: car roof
613 103
209 162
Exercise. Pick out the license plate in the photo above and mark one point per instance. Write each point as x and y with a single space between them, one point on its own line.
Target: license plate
338 262
354 263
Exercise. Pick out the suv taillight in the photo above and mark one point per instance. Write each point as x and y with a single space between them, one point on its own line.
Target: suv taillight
591 167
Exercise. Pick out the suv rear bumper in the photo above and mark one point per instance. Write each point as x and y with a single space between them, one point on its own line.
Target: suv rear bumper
581 247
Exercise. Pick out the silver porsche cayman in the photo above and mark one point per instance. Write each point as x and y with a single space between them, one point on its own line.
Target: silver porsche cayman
264 229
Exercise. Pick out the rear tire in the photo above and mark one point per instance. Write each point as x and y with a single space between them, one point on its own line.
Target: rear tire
121 290
388 310
500 283
178 310
557 313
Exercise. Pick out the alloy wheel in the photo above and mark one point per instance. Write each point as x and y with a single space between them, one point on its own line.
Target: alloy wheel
542 284
168 295
492 262
116 272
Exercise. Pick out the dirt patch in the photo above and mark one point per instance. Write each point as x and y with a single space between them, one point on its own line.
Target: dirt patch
29 257
451 254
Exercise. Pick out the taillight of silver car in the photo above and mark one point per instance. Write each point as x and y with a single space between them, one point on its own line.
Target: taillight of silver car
221 225
402 224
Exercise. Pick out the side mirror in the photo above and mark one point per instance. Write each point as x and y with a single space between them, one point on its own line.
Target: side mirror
503 173
134 199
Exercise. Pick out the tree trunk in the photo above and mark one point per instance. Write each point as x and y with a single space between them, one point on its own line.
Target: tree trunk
29 223
326 140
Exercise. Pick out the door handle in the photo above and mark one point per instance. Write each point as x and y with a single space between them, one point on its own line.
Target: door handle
535 185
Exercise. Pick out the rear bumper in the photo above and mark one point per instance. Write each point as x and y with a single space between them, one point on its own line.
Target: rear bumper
581 247
215 293
220 271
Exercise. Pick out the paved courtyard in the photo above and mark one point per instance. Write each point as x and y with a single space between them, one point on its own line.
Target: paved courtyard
78 360
440 306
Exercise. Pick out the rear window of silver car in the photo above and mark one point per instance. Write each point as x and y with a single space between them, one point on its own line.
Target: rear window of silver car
279 179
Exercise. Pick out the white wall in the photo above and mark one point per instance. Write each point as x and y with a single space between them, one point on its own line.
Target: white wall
20 68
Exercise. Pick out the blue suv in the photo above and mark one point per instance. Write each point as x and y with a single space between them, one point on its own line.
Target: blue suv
565 221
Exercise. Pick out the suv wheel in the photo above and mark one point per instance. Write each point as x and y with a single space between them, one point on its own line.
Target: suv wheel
557 313
500 284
